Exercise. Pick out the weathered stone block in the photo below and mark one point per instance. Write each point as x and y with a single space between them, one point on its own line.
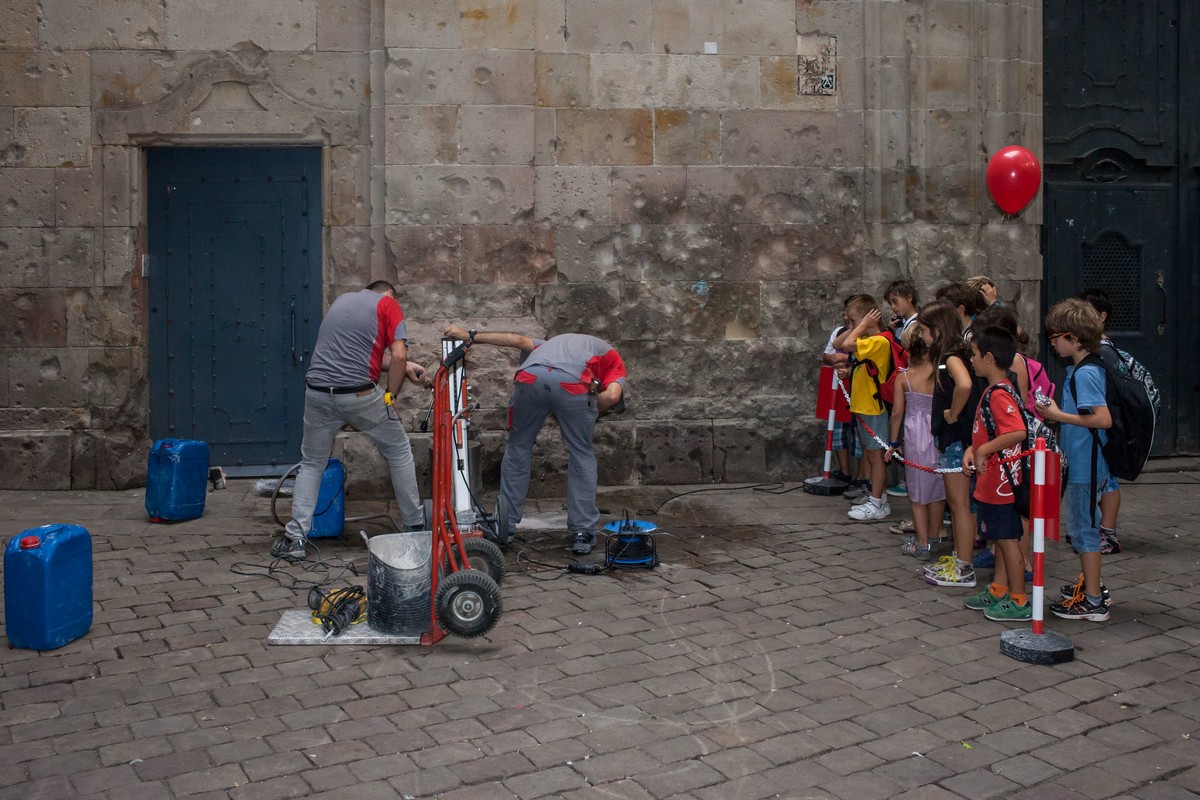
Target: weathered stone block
20 28
653 195
102 316
951 194
947 84
440 195
595 136
806 310
767 27
686 137
697 309
123 79
72 255
116 183
103 25
42 78
950 28
425 254
496 135
344 25
460 77
222 24
35 460
563 79
422 134
792 138
338 81
614 26
543 136
10 154
349 257
109 460
33 318
667 81
586 308
550 26
768 195
349 185
887 84
943 252
844 19
497 24
26 197
1012 251
793 252
22 257
109 376
47 376
54 137
120 258
597 253
508 254
421 23
744 450
481 301
948 136
77 194
572 195
674 453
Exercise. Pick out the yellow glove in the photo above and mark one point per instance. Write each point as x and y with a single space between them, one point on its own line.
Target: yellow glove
388 397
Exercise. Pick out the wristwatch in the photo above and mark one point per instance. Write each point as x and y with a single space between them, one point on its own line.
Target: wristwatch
471 334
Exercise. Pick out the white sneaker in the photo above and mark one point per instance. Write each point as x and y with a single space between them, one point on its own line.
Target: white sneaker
869 512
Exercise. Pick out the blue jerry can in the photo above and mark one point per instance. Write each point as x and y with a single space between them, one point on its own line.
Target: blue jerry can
329 517
48 586
176 480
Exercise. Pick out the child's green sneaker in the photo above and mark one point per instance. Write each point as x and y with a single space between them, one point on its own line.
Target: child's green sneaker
1008 611
983 600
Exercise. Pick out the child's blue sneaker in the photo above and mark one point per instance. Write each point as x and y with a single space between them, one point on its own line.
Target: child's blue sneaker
984 559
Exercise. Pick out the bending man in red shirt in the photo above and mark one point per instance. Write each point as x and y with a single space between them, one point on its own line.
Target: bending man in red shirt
575 377
342 388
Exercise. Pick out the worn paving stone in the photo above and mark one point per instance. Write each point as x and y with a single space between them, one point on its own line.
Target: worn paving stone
758 659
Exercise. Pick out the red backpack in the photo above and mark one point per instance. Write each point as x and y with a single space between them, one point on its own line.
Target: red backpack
885 390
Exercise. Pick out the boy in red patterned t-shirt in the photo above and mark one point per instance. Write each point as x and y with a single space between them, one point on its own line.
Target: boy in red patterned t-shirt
992 353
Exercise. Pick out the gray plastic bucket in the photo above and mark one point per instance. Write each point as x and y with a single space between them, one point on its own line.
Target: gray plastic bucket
399 581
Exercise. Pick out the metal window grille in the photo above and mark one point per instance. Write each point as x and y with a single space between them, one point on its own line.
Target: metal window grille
1114 264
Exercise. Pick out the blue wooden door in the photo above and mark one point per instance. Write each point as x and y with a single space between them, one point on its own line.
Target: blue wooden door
235 298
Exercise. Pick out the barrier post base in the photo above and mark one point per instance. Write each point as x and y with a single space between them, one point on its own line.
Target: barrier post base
826 487
1036 648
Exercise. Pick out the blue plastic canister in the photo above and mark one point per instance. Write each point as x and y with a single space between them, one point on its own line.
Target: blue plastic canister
329 517
48 586
176 480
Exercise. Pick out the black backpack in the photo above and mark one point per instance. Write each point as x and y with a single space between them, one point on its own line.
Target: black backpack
1133 403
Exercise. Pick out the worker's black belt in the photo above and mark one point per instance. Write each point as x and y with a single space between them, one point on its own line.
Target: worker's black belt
341 389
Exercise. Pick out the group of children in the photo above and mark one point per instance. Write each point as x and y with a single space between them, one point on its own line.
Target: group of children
946 386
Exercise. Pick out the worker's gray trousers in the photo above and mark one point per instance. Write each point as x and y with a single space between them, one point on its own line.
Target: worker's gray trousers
324 416
576 416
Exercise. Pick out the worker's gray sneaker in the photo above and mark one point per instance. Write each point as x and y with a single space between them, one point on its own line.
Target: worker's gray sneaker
583 544
287 548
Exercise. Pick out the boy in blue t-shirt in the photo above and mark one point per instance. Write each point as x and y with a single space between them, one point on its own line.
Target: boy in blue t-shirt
1074 329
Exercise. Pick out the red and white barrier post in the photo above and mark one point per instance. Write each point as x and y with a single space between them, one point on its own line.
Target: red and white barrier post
1036 646
828 397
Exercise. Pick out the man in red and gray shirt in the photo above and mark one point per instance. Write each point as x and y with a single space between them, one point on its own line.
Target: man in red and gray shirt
575 377
356 333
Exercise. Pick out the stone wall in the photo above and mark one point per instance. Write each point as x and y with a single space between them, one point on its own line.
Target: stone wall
698 182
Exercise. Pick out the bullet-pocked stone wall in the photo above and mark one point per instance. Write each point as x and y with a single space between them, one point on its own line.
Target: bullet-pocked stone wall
698 181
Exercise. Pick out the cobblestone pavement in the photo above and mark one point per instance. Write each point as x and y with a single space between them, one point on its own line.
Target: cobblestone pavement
780 650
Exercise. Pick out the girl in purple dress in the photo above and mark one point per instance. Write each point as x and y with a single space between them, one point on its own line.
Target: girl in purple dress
912 411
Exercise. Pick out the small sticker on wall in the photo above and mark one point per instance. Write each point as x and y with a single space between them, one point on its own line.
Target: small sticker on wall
816 65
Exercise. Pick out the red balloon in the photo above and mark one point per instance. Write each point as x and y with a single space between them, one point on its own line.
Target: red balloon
1013 177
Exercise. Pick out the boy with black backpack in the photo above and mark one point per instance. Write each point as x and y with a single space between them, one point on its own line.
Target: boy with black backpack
1073 330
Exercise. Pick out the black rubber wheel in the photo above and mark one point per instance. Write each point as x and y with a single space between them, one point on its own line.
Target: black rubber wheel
467 603
485 557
